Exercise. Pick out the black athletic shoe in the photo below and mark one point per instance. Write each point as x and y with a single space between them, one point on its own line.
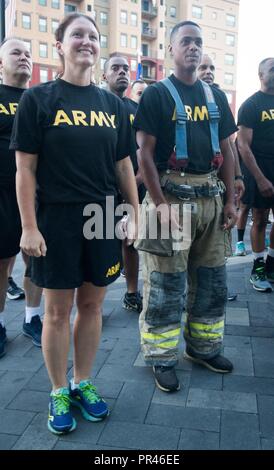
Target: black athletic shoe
14 292
216 364
133 302
166 378
231 297
33 330
3 340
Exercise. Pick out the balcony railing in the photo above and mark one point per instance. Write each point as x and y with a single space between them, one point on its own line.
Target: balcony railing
150 54
149 12
149 33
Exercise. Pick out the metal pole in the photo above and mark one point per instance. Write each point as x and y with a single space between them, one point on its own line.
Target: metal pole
2 20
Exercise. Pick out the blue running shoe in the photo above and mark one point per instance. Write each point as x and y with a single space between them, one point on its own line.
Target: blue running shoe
60 420
34 330
85 397
240 249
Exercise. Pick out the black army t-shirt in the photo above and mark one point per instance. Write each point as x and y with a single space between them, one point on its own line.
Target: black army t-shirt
78 133
131 108
257 113
156 116
9 99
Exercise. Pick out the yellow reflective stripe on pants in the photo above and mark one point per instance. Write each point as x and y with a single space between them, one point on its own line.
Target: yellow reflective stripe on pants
205 327
167 334
204 335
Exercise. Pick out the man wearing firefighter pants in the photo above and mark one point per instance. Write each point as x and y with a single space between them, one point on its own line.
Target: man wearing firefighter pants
171 177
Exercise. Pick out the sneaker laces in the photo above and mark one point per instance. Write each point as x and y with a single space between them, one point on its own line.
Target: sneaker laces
89 391
12 283
61 403
260 273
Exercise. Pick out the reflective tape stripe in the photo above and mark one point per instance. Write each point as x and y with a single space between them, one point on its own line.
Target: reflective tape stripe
167 345
201 334
204 327
167 334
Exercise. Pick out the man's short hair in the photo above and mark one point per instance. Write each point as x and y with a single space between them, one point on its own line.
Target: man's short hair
114 54
263 62
142 82
180 25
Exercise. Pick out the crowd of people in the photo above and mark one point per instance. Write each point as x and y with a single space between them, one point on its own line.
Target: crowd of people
67 145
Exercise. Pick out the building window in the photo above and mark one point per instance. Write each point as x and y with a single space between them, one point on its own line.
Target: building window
70 8
102 63
133 19
231 20
42 24
42 2
172 12
133 42
54 25
214 15
145 50
27 45
230 40
160 46
197 12
55 54
229 59
89 8
229 78
43 50
56 4
26 21
43 75
103 17
161 24
123 17
133 65
134 1
123 40
229 96
104 41
213 35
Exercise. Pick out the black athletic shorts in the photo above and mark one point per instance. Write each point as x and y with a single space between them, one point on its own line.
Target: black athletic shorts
252 196
71 258
10 224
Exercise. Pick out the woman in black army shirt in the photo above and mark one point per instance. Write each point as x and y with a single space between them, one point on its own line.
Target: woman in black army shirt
72 144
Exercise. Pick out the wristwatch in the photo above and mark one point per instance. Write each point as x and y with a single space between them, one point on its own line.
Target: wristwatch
239 177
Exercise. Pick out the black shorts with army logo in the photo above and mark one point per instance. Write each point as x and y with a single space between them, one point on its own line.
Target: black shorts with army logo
72 256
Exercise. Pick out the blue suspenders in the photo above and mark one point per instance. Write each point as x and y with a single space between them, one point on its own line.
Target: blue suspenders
181 119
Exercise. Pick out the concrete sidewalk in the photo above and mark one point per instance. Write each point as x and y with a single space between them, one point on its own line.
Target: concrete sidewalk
211 411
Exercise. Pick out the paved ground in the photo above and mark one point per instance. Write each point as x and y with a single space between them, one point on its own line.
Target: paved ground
211 411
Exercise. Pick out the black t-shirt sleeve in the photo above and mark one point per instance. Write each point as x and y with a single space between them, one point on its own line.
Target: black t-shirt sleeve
27 133
227 125
247 114
148 112
124 134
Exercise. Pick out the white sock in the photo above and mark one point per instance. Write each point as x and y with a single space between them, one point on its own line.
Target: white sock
31 312
271 252
258 255
2 319
73 384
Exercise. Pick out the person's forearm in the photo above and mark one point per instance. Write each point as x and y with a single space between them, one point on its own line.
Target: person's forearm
249 161
238 171
127 183
227 173
150 177
25 189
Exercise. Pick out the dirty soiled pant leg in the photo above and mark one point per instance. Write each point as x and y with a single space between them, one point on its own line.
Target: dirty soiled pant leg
160 319
207 291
